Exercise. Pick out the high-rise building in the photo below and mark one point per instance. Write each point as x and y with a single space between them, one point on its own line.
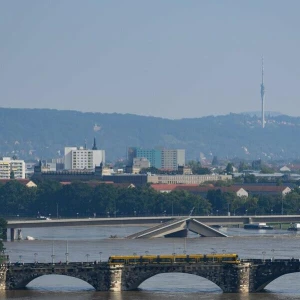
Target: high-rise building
80 158
171 159
12 167
166 159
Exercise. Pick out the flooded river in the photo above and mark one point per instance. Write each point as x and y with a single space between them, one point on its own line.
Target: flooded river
94 243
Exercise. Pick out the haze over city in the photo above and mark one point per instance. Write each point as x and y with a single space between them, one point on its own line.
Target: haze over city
171 59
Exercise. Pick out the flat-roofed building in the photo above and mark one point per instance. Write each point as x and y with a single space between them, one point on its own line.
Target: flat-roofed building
9 166
186 179
166 159
80 158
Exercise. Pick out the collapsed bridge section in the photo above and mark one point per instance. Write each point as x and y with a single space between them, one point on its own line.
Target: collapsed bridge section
178 228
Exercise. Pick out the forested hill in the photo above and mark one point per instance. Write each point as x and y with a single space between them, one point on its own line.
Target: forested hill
43 133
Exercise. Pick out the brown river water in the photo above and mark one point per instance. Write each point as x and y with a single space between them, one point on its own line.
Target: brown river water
95 239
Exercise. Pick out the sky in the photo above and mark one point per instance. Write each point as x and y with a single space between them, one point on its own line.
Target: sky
172 58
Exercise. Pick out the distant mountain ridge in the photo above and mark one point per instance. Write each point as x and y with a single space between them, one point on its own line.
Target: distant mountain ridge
43 133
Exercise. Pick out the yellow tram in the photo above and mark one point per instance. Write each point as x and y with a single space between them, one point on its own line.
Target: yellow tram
231 258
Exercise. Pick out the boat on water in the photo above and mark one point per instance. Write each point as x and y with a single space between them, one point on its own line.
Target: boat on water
294 227
258 226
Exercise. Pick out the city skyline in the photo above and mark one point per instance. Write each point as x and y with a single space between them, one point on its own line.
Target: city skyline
165 59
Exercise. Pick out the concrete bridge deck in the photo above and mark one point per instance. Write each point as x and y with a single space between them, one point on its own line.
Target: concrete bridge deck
209 220
247 276
178 228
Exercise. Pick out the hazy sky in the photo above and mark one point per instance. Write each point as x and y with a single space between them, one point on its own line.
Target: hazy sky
167 58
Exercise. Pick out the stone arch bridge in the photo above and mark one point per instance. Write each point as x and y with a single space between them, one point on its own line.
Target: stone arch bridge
246 277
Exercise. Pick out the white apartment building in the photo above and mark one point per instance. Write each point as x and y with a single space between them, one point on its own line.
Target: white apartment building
82 158
7 165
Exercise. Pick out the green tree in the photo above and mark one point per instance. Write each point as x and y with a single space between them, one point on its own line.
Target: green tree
266 170
229 168
3 234
197 168
243 166
12 200
215 161
47 197
249 178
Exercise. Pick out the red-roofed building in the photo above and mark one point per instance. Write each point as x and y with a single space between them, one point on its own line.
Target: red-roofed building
198 190
265 189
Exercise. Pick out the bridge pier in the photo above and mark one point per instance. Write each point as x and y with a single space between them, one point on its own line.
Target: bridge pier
12 234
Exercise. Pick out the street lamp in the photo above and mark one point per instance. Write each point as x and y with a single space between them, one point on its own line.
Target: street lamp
100 253
246 211
271 211
67 253
87 257
213 252
263 255
52 255
273 258
20 258
173 256
35 255
77 215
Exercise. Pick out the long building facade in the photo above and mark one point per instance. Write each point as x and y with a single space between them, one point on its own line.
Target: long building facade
185 179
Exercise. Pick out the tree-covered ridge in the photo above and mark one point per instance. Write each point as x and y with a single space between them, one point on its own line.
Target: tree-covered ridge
82 199
43 133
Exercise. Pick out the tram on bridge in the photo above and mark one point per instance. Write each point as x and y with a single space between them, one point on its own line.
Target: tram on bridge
176 258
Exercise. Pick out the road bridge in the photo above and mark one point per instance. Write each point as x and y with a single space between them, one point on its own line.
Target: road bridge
246 276
149 221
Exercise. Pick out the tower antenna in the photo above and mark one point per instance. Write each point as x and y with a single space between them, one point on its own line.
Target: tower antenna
262 94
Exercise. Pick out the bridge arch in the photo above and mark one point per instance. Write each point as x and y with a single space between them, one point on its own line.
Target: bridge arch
135 277
275 279
181 282
61 282
21 281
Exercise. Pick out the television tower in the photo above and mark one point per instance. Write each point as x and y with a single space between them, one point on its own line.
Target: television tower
262 94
